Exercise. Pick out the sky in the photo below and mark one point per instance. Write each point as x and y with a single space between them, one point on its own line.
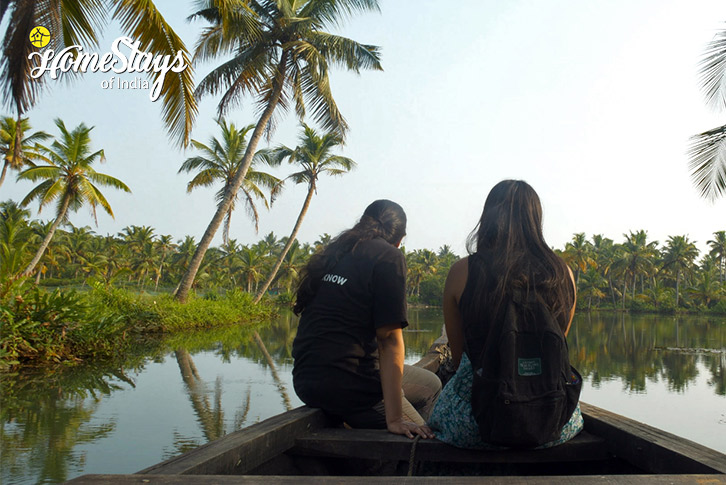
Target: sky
592 103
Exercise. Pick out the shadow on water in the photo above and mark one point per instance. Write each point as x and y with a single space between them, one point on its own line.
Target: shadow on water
49 418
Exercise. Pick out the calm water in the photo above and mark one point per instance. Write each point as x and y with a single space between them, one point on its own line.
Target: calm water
174 395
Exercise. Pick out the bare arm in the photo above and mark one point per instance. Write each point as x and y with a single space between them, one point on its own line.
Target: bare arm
454 287
391 355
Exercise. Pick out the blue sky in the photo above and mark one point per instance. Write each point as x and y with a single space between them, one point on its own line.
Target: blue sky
591 102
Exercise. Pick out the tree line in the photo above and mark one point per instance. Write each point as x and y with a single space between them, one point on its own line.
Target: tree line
634 274
643 275
138 258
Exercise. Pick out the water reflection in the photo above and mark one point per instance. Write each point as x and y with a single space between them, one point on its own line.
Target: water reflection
169 396
638 349
47 416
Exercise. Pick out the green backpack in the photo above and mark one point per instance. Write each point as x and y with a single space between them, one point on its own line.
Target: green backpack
524 389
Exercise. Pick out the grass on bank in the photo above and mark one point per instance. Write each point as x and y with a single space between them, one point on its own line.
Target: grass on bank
38 326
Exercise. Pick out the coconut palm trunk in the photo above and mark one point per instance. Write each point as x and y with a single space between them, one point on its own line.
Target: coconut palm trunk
678 286
5 171
187 280
291 239
46 241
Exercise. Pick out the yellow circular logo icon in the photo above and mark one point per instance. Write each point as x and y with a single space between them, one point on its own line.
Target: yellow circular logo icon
39 36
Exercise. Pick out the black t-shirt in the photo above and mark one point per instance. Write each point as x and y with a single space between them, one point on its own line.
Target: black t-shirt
335 350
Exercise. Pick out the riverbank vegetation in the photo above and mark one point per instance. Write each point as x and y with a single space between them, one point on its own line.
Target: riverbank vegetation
40 325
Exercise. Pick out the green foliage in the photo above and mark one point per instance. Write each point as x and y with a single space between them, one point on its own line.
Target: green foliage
285 299
66 325
719 308
432 290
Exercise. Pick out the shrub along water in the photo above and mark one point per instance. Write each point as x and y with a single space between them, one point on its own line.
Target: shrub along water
38 326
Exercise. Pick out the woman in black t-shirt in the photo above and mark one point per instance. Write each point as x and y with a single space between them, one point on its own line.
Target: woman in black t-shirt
349 346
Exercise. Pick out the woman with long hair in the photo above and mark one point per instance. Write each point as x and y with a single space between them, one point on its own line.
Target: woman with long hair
507 254
349 349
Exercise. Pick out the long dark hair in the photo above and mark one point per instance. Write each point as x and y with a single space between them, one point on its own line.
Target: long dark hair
383 218
509 249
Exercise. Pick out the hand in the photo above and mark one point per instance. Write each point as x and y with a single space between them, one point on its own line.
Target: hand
408 428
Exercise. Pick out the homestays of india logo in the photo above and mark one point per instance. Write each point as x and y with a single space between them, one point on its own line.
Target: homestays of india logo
125 57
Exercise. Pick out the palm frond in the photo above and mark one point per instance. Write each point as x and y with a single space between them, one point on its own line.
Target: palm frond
707 162
346 164
107 180
262 178
40 172
20 91
301 177
194 163
95 197
245 73
324 108
270 156
252 209
712 70
179 107
336 171
54 191
37 192
345 52
81 21
205 178
335 12
233 22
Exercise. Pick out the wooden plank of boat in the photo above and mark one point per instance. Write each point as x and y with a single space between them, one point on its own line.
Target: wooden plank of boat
651 448
381 445
317 480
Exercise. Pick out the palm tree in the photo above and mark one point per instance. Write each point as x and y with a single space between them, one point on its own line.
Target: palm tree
68 179
140 243
707 288
251 261
657 293
679 256
420 264
14 237
75 244
590 286
322 241
578 254
290 268
639 255
718 250
39 232
227 264
606 255
315 158
281 55
446 257
220 161
164 245
74 22
7 145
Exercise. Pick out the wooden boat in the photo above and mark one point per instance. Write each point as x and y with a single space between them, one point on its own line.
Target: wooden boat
301 446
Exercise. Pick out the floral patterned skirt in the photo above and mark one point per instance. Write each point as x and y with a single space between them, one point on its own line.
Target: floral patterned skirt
453 422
